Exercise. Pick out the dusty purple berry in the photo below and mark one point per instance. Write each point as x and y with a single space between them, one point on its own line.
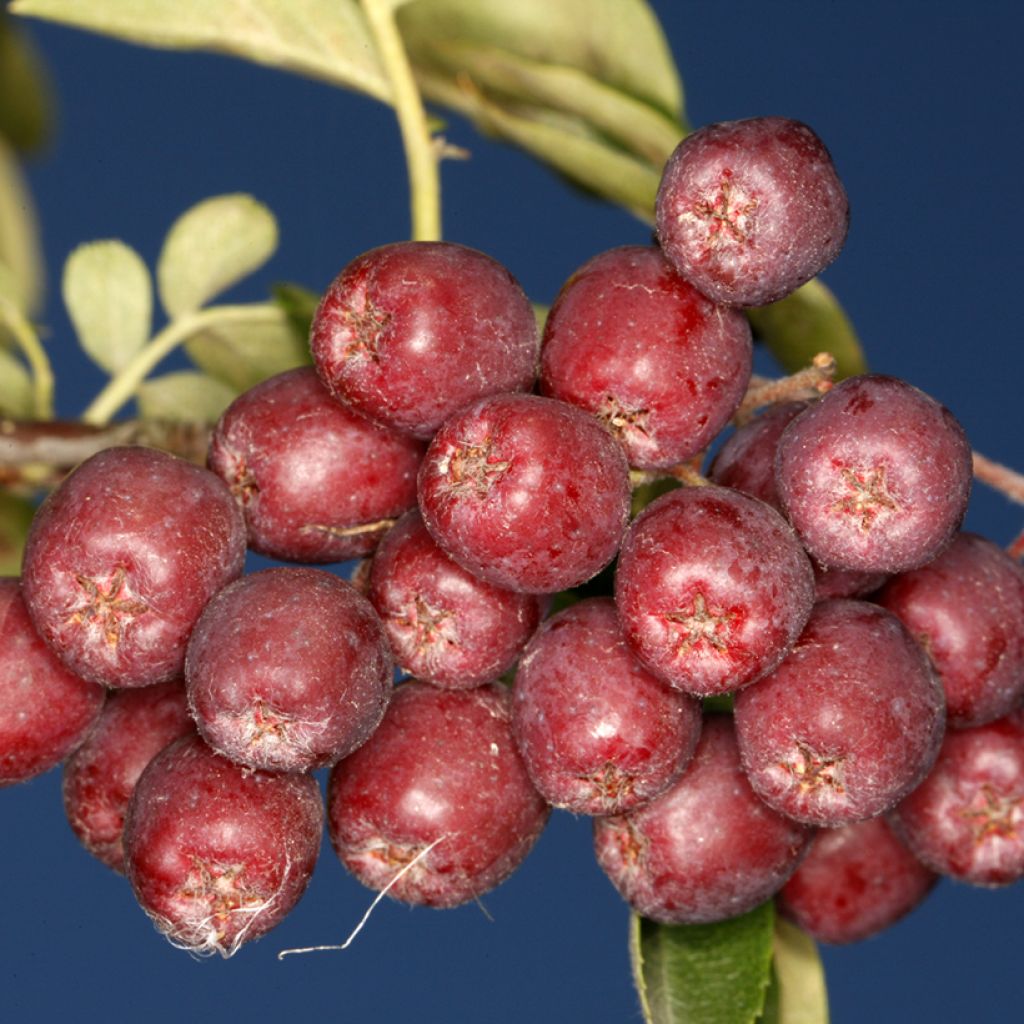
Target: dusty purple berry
707 848
598 733
635 344
712 588
850 721
442 769
317 481
446 626
875 476
409 333
750 210
855 881
528 493
121 559
967 609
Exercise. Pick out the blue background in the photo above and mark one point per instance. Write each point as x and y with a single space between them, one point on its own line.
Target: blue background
920 104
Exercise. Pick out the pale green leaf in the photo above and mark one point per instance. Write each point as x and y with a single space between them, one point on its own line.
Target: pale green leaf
15 519
703 974
25 93
241 353
798 993
109 297
809 321
299 305
210 247
19 234
325 39
16 398
184 397
618 42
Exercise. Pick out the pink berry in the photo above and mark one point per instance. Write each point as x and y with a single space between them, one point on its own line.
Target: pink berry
598 733
317 482
409 333
707 848
99 777
635 344
967 608
750 210
121 559
219 854
875 476
526 492
446 626
712 588
441 769
288 670
966 820
45 710
848 724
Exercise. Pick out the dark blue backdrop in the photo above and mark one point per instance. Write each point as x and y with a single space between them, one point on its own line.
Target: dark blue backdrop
919 103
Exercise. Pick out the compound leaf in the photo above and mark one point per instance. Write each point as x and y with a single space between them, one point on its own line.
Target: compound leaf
185 396
703 974
109 296
797 994
210 247
25 92
19 233
325 39
16 398
15 518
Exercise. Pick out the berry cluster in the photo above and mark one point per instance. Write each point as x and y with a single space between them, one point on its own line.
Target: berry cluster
815 582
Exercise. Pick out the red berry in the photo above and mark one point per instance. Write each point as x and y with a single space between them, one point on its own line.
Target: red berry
875 476
598 733
317 482
635 344
288 670
409 333
707 848
121 559
526 492
45 710
712 588
442 768
967 608
750 210
100 776
218 854
966 820
848 724
446 626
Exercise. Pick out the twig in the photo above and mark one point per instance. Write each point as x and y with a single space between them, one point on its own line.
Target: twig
1005 480
812 382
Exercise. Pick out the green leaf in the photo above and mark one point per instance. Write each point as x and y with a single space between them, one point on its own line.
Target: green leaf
210 247
16 398
797 994
298 304
19 234
241 354
703 974
26 98
109 297
184 397
325 39
15 519
805 323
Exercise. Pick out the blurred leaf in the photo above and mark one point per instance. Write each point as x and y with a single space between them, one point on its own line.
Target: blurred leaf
325 39
540 314
644 494
109 297
299 304
16 398
241 354
26 98
805 323
210 247
15 519
797 994
19 233
703 974
588 86
184 397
